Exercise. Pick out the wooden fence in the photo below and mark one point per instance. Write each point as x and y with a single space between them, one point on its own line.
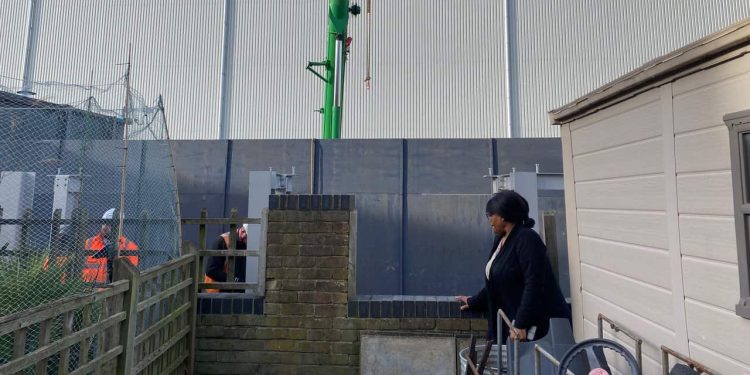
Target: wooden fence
142 323
75 335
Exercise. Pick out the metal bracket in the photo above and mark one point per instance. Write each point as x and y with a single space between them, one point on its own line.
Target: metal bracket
311 64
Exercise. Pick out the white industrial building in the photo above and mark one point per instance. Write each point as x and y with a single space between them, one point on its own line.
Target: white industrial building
438 68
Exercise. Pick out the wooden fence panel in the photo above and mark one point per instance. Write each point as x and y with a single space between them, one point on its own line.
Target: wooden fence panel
162 340
58 334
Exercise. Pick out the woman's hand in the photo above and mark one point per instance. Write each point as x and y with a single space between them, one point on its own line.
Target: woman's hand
464 302
521 334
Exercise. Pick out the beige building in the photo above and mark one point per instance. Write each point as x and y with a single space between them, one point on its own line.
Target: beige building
651 207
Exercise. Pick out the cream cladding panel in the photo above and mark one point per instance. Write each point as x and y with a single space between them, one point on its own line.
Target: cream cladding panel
636 262
710 237
718 329
639 228
632 193
634 124
634 159
652 303
711 282
705 193
705 107
703 150
716 361
650 331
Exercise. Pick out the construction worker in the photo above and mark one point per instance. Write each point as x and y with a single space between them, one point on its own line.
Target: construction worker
101 252
216 267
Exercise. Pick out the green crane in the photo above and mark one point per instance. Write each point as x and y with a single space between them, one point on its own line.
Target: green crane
334 65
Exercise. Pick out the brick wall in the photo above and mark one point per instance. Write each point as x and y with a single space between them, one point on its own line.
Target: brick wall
311 320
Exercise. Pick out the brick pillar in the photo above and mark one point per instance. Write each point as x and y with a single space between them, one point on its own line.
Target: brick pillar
307 269
307 263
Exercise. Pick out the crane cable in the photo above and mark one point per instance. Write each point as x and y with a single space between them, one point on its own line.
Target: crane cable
367 57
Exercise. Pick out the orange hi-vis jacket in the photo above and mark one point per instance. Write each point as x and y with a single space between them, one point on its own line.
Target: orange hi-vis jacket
95 269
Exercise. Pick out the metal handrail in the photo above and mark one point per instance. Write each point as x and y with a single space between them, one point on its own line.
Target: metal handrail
617 328
697 366
515 340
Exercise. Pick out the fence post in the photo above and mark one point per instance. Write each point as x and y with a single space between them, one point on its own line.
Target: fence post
143 236
230 260
25 234
187 249
78 242
201 244
54 246
124 270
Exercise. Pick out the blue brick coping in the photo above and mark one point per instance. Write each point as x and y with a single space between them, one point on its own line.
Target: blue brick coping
229 303
392 306
311 202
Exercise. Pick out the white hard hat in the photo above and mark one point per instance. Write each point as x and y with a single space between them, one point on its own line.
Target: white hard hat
245 226
109 214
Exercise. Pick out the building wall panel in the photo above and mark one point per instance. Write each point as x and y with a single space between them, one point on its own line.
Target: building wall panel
621 161
715 283
634 125
633 261
718 329
704 150
636 193
708 236
652 303
633 227
705 193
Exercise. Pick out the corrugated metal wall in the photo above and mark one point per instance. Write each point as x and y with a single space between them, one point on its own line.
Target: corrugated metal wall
13 22
436 71
569 48
437 66
176 51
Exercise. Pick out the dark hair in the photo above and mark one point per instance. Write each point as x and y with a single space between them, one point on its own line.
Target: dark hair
511 206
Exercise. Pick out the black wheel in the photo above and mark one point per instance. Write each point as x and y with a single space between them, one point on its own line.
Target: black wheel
594 349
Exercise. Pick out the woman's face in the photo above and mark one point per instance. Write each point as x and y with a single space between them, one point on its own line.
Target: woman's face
497 223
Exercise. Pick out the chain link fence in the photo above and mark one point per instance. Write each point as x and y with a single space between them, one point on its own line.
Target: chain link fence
86 175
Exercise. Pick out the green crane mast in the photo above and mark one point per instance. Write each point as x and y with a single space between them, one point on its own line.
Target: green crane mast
334 65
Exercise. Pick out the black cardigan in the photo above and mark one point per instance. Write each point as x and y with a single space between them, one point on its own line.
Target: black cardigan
522 284
216 265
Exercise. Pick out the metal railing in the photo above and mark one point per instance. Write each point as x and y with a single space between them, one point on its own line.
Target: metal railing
618 328
694 365
515 339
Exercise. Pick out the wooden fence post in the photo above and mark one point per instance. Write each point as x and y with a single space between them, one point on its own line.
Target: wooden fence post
201 243
193 295
124 270
230 260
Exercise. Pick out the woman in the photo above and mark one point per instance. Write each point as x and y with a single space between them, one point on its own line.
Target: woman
518 276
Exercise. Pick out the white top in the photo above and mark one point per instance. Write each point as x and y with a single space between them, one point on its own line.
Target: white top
488 267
